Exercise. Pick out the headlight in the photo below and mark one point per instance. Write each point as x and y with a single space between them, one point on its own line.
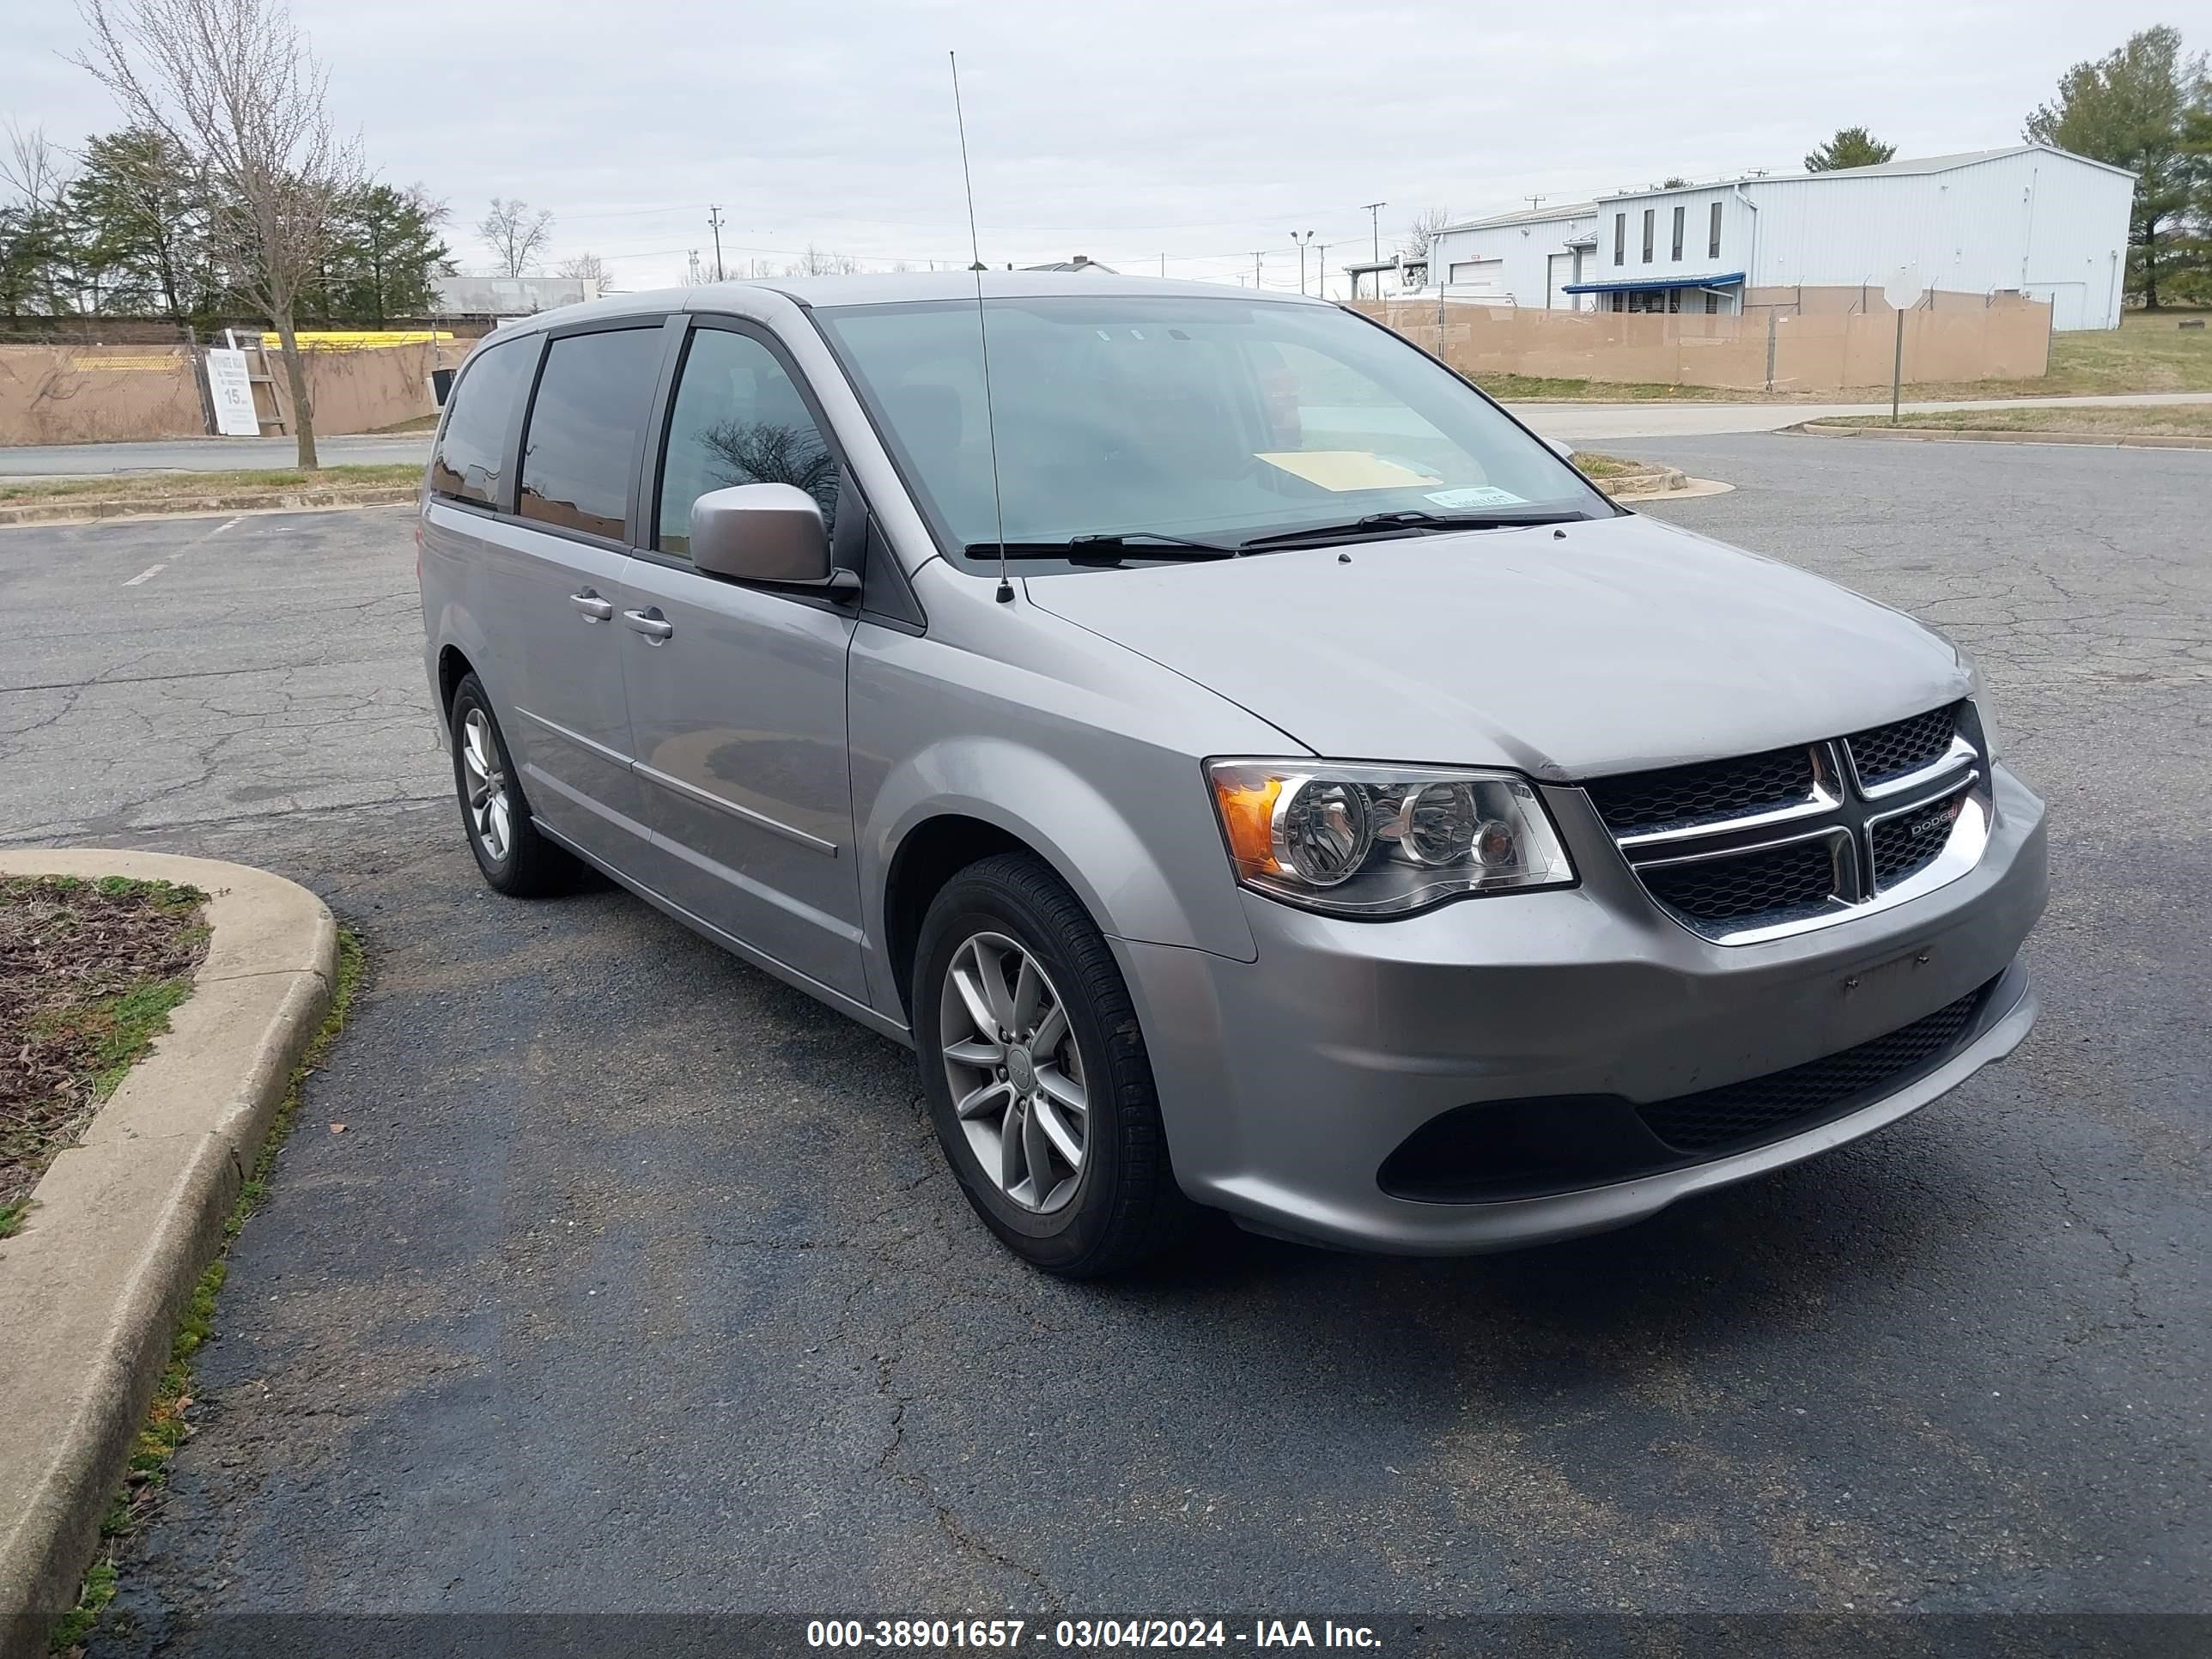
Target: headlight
1361 840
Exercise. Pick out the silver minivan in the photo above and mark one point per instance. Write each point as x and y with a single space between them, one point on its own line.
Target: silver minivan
1251 770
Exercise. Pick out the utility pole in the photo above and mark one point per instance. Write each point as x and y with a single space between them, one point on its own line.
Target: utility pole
1373 210
1534 201
1321 271
714 219
1255 268
1164 264
1299 238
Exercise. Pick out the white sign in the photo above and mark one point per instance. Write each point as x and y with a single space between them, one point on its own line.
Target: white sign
1904 288
230 389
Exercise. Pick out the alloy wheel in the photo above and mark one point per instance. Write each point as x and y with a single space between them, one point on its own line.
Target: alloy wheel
1015 1072
484 784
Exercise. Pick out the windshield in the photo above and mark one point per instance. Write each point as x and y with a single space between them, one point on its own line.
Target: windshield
1216 421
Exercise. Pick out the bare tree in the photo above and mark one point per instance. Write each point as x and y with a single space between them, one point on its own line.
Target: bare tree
515 235
1422 231
39 252
821 262
233 85
584 267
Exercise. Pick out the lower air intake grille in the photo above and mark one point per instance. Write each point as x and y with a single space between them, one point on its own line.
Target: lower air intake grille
1763 1109
1743 890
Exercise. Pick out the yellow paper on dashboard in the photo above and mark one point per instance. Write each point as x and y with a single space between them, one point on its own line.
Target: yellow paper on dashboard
1345 469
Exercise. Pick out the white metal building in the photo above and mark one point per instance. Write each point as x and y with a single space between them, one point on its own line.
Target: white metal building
2028 218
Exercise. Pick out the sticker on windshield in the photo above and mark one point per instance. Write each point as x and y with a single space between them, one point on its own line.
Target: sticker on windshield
1484 495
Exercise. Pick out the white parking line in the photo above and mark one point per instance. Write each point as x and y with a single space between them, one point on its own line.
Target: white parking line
146 575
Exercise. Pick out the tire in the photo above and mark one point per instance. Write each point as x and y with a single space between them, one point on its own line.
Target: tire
514 857
1119 1205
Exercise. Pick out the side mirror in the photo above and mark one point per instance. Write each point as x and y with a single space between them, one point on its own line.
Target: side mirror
1561 447
761 532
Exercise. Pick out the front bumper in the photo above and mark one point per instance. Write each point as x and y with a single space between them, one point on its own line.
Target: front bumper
1286 1082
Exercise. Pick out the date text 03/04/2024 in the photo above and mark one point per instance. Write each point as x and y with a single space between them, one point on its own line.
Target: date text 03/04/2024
1085 1634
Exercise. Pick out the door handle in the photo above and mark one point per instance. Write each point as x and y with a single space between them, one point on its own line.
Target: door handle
594 608
651 623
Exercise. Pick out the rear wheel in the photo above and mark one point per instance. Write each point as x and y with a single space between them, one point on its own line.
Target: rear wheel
1036 1074
514 857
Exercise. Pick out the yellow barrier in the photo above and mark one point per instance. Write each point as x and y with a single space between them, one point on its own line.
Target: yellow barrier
337 339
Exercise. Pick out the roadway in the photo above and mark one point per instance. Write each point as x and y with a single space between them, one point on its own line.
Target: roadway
634 1283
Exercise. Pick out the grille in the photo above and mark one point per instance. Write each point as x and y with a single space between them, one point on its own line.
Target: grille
1640 802
1784 1102
1890 751
1766 886
1911 840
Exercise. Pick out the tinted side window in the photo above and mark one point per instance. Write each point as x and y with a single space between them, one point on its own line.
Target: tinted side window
473 446
738 419
591 403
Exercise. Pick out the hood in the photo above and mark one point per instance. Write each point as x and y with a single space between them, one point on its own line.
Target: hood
1626 643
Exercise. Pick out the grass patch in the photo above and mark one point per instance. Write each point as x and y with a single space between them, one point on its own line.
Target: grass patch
2115 421
1535 388
168 1426
1595 465
154 487
90 972
2148 352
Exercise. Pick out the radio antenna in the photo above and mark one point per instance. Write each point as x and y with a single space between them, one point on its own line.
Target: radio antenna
1006 594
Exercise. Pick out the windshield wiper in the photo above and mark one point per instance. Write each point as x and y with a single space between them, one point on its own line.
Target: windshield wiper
1107 548
1413 518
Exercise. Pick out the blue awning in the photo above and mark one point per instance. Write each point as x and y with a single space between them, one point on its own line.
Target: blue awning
1647 284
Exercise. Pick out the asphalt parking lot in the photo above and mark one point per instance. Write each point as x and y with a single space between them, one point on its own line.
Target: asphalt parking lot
634 1281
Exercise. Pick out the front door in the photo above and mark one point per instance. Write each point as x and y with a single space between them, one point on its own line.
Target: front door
736 694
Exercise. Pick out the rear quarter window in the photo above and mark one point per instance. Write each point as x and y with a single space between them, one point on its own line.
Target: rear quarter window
472 444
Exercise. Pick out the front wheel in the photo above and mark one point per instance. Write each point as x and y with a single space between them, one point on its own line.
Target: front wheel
1036 1074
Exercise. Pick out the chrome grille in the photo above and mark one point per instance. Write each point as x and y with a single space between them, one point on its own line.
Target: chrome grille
1888 753
1911 839
1644 802
1794 879
1757 845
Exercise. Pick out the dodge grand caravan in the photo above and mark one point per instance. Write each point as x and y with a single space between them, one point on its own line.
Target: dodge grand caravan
1250 769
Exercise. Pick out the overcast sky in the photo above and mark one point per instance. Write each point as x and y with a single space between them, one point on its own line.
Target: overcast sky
1201 129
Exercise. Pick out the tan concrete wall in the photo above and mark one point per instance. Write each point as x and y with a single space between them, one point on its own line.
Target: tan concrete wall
97 394
113 394
1823 340
362 391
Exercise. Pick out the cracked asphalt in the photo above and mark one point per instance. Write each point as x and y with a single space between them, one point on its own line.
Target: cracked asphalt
634 1282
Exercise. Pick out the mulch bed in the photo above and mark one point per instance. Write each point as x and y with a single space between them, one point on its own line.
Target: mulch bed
88 973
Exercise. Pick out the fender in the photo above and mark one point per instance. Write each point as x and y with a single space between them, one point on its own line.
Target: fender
1115 865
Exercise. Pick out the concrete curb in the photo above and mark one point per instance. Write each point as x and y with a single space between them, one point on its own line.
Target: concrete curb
1659 483
69 511
123 1224
1996 435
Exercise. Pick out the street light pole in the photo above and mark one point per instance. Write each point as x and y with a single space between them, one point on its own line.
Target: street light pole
1300 238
